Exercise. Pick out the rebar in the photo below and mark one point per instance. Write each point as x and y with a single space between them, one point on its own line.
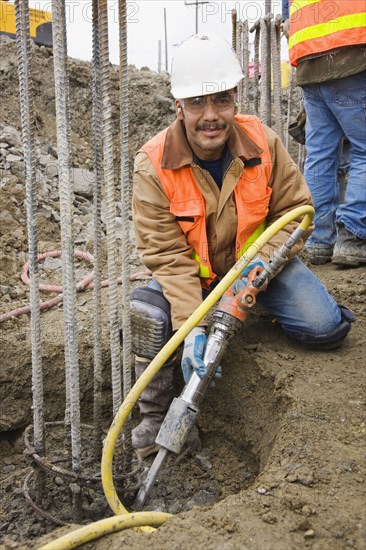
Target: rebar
301 157
28 133
125 197
110 203
245 99
239 54
97 199
234 18
66 212
256 70
26 94
276 72
267 60
265 112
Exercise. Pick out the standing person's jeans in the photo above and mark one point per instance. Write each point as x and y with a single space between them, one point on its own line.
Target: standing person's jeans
302 305
334 109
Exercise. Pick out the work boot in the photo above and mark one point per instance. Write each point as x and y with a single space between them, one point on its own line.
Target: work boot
319 254
153 403
349 250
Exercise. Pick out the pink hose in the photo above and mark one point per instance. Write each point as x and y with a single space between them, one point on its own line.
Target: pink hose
86 283
57 254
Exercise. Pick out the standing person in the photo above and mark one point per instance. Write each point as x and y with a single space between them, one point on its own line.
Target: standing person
327 47
286 18
203 189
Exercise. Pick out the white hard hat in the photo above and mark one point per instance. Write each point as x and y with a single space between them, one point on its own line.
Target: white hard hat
204 64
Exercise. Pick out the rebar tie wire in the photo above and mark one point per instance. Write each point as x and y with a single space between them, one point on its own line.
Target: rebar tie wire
72 413
43 513
28 132
125 199
69 476
97 200
276 72
110 203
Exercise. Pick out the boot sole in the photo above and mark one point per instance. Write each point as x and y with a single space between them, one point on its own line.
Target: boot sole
346 261
318 257
320 261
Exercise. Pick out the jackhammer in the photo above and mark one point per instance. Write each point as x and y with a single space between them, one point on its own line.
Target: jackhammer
233 308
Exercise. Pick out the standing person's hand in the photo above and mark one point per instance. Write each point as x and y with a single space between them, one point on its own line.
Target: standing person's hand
286 28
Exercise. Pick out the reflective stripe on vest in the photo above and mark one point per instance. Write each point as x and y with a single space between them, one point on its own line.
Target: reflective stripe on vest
251 194
204 271
318 26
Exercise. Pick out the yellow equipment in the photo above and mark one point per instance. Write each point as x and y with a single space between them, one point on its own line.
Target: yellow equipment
40 23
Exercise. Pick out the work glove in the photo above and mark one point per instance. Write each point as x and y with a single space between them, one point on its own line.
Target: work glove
297 129
241 282
255 262
193 353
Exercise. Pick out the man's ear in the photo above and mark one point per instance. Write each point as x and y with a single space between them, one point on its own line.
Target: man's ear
179 110
236 110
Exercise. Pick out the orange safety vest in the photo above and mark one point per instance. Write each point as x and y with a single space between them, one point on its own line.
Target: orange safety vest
187 203
319 26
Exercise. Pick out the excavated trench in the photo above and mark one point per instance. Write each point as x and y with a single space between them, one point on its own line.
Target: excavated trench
237 426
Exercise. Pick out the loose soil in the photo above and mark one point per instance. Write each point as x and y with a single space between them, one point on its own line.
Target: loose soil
283 434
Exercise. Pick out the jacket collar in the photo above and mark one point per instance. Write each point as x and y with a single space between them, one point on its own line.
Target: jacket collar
177 152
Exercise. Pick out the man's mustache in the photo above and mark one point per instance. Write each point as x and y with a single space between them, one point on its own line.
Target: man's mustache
204 127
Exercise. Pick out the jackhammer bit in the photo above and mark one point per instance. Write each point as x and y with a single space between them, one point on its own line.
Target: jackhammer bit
233 308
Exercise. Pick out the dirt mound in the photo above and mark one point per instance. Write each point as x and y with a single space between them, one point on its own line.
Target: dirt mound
151 105
282 463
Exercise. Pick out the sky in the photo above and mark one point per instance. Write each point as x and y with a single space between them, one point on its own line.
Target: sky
145 25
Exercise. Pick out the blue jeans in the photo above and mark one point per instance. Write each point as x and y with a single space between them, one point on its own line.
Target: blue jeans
334 109
299 302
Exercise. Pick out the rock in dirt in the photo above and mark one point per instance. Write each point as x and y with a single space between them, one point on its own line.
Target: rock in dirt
10 135
83 182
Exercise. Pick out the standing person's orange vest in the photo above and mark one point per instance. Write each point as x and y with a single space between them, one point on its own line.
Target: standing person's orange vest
319 26
187 203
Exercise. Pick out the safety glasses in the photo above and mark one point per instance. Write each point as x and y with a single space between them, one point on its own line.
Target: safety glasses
221 102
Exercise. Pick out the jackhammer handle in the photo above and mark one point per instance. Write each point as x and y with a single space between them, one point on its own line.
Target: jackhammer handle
195 390
278 258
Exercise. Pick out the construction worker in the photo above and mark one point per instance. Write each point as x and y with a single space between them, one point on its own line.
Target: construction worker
327 47
203 188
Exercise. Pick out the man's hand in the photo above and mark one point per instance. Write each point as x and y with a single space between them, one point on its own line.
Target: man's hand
193 352
256 262
286 28
242 281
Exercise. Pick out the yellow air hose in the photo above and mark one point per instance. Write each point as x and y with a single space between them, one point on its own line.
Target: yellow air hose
98 529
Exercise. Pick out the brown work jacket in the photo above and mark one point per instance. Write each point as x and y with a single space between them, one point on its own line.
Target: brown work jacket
161 242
